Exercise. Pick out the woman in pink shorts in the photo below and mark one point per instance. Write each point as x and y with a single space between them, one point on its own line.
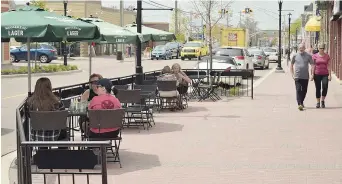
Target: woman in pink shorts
322 75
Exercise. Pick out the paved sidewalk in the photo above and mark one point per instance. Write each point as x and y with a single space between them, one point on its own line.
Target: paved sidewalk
261 141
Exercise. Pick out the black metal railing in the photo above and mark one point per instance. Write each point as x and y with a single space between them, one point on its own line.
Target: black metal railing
25 148
235 83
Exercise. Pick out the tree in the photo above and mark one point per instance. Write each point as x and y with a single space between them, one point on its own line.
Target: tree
208 11
183 23
39 3
297 24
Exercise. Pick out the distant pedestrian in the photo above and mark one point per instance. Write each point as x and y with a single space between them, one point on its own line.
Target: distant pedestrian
322 75
300 73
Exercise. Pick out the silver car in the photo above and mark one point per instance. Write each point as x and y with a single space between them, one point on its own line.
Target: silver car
260 59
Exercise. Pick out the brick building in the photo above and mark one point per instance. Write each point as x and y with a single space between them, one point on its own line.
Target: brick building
85 9
5 6
334 29
331 32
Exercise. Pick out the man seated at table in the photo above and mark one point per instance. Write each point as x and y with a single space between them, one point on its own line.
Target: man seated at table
104 100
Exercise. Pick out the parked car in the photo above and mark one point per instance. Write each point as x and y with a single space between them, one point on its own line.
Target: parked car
13 47
272 52
221 63
260 59
161 52
175 48
194 49
240 55
45 53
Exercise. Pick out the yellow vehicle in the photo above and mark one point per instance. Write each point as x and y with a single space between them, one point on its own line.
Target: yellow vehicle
194 49
234 37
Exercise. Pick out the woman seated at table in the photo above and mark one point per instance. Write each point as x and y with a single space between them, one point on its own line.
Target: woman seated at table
90 93
167 75
182 78
104 100
43 99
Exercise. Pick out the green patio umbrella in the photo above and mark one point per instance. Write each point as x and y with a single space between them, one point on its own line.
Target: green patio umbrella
31 23
43 26
111 33
151 33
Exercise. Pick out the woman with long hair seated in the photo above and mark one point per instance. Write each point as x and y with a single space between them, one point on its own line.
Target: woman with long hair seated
104 100
43 99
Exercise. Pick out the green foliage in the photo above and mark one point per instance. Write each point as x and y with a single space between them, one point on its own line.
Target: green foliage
235 91
183 22
43 69
39 3
180 38
297 24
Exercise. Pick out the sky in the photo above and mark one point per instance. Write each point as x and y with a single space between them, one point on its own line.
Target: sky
264 12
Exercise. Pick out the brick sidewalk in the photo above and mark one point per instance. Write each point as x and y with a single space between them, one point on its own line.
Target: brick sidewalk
265 140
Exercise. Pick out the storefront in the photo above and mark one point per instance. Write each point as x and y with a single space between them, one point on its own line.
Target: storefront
335 36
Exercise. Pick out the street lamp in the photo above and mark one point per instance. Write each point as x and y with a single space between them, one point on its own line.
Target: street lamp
288 54
65 54
280 3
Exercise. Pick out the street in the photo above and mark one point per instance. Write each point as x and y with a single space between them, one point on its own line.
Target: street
107 66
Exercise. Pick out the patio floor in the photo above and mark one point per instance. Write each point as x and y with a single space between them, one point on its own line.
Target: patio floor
237 140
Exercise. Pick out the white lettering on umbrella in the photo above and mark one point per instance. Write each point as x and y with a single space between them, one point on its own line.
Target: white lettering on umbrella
163 37
72 33
120 40
16 33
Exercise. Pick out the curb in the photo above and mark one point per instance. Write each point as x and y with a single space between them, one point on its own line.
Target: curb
41 74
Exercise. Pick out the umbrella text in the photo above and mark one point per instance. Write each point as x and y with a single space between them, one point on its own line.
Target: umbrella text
16 33
120 40
72 33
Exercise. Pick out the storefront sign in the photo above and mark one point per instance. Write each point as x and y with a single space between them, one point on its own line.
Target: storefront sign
337 10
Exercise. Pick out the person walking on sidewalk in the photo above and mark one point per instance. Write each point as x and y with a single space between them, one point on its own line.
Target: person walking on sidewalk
322 75
300 72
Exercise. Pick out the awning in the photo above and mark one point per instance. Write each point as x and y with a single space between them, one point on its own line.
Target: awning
313 25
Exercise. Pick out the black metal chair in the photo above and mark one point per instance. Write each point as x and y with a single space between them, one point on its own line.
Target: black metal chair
134 107
49 121
108 118
149 94
167 86
208 90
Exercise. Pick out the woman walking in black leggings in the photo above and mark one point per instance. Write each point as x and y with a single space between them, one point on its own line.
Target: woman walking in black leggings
322 75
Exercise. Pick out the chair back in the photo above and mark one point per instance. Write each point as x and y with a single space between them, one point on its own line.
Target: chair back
66 103
167 85
49 120
106 118
146 88
129 96
150 82
120 87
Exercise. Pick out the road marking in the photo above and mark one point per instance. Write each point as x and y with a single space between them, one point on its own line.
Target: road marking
14 96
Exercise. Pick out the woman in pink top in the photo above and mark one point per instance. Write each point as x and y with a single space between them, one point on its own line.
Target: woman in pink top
322 75
104 100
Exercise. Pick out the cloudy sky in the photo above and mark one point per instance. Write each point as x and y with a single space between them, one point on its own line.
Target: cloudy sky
265 12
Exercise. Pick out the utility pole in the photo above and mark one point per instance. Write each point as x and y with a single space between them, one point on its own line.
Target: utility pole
227 19
279 68
190 28
122 24
176 17
240 18
202 27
